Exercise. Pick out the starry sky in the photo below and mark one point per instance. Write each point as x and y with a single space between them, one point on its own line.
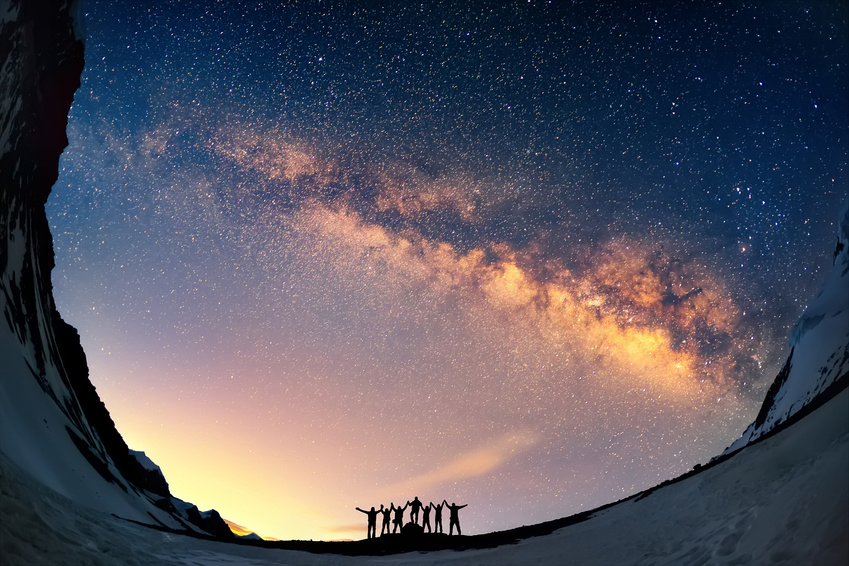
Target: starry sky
528 256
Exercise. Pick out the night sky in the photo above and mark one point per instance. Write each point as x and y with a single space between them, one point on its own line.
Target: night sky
531 257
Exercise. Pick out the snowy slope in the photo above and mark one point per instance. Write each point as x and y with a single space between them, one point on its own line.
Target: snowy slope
52 422
782 501
68 482
819 349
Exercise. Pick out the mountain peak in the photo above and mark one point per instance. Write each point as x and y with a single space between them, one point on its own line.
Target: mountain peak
817 366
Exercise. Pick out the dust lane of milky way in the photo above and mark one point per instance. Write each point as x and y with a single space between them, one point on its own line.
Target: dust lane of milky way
532 257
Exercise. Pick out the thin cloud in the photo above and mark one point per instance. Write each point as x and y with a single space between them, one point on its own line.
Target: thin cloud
480 461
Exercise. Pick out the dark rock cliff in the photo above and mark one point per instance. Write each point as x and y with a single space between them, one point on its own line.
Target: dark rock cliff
42 61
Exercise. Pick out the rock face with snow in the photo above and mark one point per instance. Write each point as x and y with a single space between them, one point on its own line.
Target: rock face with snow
55 431
818 364
52 422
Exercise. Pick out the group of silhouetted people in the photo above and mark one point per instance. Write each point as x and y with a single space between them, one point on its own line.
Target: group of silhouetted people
415 506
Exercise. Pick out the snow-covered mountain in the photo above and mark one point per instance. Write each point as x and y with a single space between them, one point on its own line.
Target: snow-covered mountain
818 364
68 480
52 422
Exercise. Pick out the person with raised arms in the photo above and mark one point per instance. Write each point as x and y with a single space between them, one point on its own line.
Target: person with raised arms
454 518
398 523
387 516
426 516
415 506
437 517
372 521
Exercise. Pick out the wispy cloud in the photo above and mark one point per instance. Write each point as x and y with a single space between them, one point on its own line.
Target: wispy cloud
482 460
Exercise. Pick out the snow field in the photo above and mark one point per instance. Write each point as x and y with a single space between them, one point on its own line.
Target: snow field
781 501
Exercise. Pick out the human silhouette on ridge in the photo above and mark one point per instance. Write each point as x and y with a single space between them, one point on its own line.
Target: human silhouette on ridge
415 505
454 519
426 516
372 521
387 515
437 519
398 523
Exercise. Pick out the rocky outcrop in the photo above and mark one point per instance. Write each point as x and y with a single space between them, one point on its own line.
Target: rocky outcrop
42 61
817 367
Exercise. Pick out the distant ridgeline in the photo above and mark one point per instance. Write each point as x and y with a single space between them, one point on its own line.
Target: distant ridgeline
817 367
54 426
52 422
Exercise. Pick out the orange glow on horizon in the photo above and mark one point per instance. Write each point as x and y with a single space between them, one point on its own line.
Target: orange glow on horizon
352 364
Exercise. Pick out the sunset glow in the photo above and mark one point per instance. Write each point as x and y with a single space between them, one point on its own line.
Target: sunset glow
327 258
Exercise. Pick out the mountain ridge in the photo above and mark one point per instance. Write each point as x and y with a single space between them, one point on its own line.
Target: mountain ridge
819 348
43 60
44 357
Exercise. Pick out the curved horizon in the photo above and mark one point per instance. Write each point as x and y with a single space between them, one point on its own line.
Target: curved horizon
313 272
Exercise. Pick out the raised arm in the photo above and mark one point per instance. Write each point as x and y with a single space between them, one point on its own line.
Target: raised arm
361 511
461 506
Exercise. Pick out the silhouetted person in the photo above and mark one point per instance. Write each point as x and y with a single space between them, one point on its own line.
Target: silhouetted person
387 515
454 519
415 505
437 519
426 517
372 521
399 518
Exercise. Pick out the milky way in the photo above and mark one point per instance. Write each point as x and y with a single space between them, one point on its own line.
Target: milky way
531 257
